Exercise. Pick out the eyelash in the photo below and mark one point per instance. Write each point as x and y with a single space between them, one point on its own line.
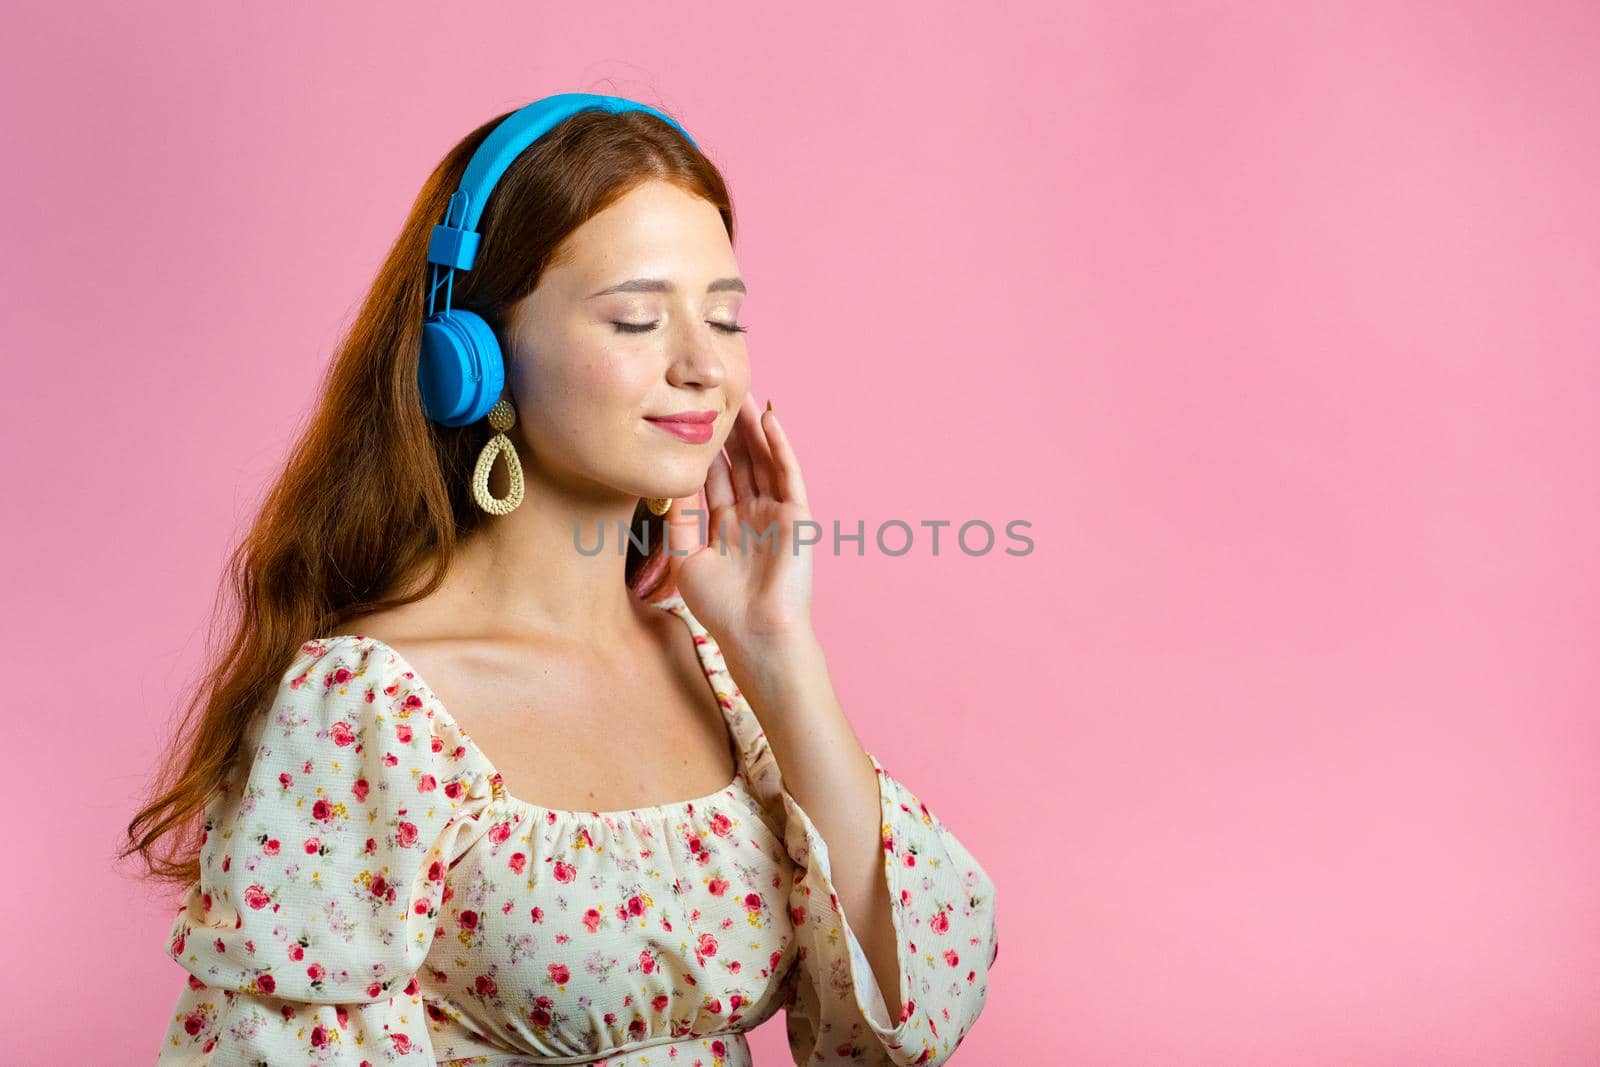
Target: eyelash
634 327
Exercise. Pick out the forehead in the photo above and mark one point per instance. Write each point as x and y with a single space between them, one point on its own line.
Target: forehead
655 225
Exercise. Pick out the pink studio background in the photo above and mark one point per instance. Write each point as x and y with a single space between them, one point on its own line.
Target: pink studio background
1277 322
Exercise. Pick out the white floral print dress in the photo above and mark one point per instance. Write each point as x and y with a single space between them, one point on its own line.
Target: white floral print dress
370 894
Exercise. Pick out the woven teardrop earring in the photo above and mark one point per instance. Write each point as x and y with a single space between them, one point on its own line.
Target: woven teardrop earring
658 505
502 417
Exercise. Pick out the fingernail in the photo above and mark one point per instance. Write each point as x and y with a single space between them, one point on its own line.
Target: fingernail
769 405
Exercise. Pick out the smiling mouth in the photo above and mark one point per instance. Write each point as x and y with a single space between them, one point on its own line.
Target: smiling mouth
695 430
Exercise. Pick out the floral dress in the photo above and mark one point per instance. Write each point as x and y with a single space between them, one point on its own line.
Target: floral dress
370 894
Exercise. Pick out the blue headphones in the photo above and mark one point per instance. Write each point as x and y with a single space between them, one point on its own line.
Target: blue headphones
462 371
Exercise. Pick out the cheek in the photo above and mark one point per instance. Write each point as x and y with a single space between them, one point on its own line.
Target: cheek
610 379
581 381
736 380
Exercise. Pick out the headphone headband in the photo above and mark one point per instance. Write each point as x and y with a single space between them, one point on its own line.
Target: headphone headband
455 241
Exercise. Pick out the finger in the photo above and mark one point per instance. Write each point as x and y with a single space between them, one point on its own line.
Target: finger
791 485
739 460
719 490
748 426
683 529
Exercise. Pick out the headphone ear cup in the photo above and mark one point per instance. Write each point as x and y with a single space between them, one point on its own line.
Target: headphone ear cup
460 372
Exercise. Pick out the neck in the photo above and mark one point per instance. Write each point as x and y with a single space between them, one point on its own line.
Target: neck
523 573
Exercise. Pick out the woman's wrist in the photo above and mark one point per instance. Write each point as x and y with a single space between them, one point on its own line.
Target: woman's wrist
780 671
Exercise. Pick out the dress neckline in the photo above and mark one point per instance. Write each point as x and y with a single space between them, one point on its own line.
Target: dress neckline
703 650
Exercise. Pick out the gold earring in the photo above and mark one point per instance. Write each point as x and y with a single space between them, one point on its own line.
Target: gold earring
658 505
502 417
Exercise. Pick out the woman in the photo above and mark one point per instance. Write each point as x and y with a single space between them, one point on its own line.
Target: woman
373 880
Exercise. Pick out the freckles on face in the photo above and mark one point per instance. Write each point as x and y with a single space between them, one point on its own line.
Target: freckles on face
581 393
611 381
582 361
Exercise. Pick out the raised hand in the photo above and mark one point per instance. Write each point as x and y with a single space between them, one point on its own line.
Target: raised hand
742 588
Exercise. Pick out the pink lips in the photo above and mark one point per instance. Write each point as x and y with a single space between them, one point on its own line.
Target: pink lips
692 426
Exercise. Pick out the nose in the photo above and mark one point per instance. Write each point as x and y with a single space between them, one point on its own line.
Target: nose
696 359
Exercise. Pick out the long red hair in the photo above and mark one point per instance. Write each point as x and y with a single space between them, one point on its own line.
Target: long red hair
375 496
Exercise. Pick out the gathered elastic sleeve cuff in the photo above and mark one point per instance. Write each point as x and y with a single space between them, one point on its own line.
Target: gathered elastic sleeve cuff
945 935
323 867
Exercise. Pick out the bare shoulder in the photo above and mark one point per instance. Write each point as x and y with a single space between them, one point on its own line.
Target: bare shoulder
476 677
569 725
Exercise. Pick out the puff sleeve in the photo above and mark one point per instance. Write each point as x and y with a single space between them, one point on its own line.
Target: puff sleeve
323 868
944 921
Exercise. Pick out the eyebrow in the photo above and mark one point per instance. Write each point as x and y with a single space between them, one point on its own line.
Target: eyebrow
661 285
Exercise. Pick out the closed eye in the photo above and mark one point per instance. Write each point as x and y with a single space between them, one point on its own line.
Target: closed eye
646 327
